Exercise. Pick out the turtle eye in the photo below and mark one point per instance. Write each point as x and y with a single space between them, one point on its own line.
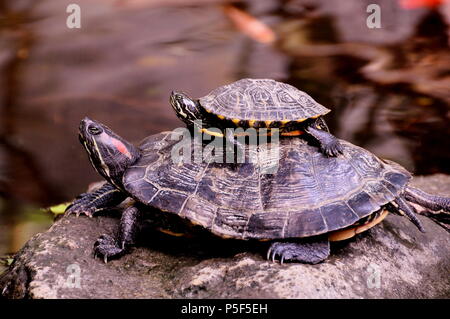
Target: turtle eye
94 130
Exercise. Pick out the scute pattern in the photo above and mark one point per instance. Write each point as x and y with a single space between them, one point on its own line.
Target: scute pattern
308 195
261 100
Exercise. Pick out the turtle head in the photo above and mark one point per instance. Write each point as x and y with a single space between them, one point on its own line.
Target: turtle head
110 154
187 109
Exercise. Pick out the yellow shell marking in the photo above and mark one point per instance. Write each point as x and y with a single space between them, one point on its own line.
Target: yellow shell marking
251 123
301 120
268 123
292 133
205 130
235 121
351 232
221 117
171 233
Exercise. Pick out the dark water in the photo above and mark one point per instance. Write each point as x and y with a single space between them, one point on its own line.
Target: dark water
388 87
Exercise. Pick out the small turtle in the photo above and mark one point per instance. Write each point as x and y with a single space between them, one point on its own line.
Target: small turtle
310 200
257 103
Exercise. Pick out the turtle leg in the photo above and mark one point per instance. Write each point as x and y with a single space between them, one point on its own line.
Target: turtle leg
308 251
88 203
431 202
108 247
404 208
329 144
436 207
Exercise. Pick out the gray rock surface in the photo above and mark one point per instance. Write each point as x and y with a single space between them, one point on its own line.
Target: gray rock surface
392 260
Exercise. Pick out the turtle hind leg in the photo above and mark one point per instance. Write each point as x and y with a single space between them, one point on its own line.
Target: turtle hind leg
404 208
305 251
108 247
431 202
436 207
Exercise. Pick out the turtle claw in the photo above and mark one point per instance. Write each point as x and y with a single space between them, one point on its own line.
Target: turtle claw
107 247
77 213
78 209
272 254
89 213
332 149
305 252
83 204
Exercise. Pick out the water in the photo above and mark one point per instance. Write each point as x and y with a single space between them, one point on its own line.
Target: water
388 88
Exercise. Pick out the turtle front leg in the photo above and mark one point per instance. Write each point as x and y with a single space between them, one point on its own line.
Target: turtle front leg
88 203
308 251
329 144
108 247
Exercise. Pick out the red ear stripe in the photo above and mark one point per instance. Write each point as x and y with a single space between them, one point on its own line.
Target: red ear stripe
121 147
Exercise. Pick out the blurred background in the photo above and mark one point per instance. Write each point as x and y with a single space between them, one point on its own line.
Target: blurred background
388 87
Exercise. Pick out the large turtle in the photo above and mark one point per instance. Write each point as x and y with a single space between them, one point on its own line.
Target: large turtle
257 103
309 195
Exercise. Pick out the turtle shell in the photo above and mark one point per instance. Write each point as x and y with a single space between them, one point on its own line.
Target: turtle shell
261 100
288 191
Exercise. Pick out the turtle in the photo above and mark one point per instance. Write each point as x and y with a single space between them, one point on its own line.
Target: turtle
257 103
308 201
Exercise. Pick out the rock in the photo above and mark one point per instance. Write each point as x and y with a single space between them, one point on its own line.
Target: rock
392 260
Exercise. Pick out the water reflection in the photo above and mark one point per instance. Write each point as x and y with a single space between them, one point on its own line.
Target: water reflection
16 229
388 88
